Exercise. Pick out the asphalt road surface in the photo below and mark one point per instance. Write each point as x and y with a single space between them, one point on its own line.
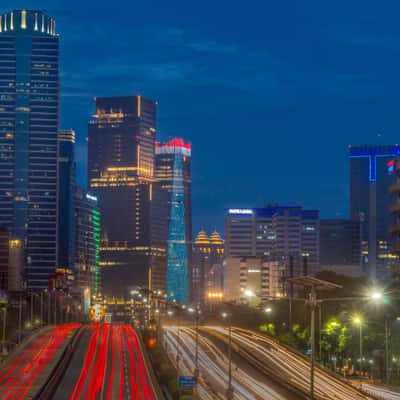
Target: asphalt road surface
213 367
107 364
289 365
26 373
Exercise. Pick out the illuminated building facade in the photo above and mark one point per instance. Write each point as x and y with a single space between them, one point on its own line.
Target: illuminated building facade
66 199
253 280
277 233
371 175
208 257
29 122
173 175
121 174
87 242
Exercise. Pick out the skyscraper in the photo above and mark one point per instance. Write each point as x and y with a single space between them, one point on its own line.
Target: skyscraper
66 199
87 242
120 172
173 175
371 175
29 121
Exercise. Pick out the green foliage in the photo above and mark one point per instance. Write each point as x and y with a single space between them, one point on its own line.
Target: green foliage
268 329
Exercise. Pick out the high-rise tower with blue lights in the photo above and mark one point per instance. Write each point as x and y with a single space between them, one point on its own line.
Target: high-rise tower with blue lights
371 175
173 175
29 122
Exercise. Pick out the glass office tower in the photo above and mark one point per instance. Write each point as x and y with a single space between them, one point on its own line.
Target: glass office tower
66 199
371 176
120 171
29 121
173 175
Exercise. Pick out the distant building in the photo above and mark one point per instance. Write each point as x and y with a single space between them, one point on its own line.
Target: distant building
371 175
277 233
208 273
340 242
29 124
121 173
253 280
66 199
87 242
173 176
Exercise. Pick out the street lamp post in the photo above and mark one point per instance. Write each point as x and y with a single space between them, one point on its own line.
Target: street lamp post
314 284
196 357
358 321
386 349
55 307
229 391
377 296
4 350
32 308
48 307
41 308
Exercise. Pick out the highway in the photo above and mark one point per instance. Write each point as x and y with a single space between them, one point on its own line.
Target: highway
213 368
287 365
381 392
107 364
24 375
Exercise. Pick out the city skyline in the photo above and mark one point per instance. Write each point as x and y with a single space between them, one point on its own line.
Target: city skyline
128 131
268 97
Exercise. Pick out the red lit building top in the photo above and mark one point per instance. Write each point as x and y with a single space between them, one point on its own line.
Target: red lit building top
174 146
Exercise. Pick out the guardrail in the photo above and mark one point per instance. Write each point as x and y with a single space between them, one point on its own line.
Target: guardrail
49 388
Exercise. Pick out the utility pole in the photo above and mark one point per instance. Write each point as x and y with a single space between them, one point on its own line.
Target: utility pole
55 308
19 319
4 350
31 308
313 305
48 308
41 308
320 330
229 390
386 348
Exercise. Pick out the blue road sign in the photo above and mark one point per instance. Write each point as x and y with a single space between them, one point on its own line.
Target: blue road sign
186 381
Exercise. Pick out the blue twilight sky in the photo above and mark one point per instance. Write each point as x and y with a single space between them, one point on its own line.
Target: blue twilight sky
269 92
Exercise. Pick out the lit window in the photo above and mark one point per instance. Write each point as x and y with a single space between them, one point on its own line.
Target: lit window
36 22
23 19
1 23
42 23
12 21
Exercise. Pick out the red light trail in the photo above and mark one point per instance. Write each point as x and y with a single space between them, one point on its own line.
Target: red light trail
18 377
113 351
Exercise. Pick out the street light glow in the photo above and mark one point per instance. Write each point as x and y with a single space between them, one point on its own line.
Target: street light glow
357 320
376 295
248 293
224 315
268 310
191 310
